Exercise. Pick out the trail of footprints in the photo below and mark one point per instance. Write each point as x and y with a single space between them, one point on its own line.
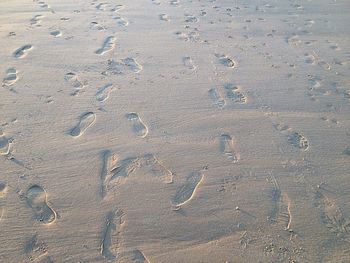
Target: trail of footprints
115 170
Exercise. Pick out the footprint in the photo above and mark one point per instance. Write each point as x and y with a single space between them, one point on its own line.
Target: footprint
174 2
335 47
132 64
107 46
114 222
5 144
109 163
234 93
216 98
3 189
164 17
187 191
121 21
123 66
226 61
299 141
323 64
191 19
102 6
310 59
281 212
36 20
138 127
74 80
119 170
86 120
96 26
150 165
36 250
331 215
22 51
37 200
294 40
11 77
155 2
315 82
107 237
188 63
227 147
103 93
117 8
192 36
56 33
309 22
116 171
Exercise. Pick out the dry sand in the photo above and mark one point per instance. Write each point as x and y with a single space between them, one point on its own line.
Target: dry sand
175 131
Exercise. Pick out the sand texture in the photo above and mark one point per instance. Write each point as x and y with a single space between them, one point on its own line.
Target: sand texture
174 131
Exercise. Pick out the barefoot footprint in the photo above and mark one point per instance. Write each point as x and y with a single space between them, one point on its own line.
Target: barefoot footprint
226 61
186 192
216 98
37 200
299 141
227 148
85 122
138 127
108 45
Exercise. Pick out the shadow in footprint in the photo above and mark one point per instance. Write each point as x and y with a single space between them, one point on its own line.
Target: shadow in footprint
138 127
86 120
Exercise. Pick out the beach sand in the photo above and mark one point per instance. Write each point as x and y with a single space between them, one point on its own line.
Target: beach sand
175 131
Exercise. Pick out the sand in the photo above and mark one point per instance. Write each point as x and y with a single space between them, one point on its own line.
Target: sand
174 131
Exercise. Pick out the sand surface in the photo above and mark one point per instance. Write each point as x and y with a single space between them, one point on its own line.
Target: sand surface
175 131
